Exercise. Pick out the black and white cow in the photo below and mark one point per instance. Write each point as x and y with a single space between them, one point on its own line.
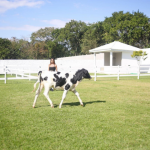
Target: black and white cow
57 80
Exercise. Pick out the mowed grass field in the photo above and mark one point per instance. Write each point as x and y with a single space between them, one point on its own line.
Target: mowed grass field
116 116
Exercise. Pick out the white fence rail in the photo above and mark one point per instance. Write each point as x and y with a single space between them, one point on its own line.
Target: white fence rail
19 73
25 72
122 71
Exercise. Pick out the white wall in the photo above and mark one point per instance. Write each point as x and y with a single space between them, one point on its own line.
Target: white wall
25 64
83 57
127 60
64 64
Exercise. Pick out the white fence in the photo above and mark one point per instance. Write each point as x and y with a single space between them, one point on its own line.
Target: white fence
62 64
25 72
19 73
122 71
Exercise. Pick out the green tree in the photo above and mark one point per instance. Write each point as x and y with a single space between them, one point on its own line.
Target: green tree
133 29
9 49
42 35
59 36
26 49
55 50
93 37
5 46
15 48
74 31
40 50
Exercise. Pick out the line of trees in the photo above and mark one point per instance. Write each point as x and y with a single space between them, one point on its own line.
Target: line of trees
77 37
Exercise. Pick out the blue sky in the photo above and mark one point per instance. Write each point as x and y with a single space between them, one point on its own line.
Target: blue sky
20 18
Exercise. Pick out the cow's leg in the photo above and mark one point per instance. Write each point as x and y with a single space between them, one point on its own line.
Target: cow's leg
46 94
63 97
37 94
77 94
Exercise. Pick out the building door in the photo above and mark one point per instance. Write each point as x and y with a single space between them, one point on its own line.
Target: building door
117 57
107 59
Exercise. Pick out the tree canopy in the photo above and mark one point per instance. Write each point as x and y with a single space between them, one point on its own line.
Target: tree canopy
132 29
78 37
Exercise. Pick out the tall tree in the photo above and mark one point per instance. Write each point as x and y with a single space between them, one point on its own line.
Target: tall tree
42 34
93 37
59 36
5 46
132 29
55 50
15 48
9 49
74 31
40 50
26 49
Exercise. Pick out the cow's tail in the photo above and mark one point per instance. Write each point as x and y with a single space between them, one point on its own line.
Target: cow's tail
38 81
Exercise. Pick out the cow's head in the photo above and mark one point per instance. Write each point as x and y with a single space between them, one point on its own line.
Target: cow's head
79 75
86 74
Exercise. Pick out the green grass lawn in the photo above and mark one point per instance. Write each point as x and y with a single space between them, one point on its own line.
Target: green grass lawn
116 116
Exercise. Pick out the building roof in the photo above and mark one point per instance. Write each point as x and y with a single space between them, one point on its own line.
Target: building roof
115 46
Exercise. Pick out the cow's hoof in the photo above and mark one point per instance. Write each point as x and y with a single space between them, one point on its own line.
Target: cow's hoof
52 106
59 106
82 105
33 106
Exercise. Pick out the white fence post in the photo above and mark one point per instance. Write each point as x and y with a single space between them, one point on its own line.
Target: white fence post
29 75
138 77
11 72
118 73
128 69
95 66
95 74
22 72
5 73
16 73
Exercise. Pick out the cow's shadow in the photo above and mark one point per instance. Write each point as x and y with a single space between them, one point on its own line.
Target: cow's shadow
84 103
74 104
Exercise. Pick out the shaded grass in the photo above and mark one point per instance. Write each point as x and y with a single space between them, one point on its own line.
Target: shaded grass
115 116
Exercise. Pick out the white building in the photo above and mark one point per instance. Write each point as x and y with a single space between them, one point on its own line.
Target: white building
119 54
116 53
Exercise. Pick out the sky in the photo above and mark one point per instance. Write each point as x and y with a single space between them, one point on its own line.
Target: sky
20 18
